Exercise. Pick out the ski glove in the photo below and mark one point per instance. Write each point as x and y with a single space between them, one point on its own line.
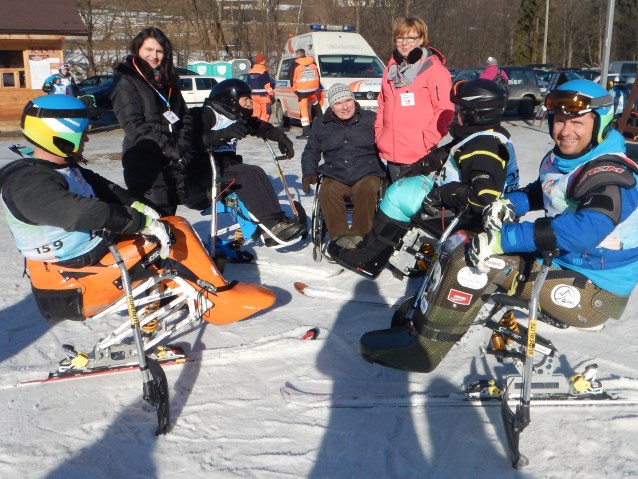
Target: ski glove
483 247
145 210
498 213
432 202
237 130
159 231
308 180
432 162
182 162
285 146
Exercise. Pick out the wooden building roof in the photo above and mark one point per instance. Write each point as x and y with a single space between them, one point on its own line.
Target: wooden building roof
41 17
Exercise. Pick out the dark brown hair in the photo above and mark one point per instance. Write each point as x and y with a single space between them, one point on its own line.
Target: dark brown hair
167 67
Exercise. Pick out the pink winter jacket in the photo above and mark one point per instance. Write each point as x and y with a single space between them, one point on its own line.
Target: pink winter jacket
405 134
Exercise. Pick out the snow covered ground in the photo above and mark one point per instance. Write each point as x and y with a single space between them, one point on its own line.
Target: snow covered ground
229 419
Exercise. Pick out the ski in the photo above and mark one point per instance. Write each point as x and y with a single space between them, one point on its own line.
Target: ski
346 296
57 376
300 333
313 399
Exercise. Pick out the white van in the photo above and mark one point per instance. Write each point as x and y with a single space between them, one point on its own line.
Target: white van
196 88
341 57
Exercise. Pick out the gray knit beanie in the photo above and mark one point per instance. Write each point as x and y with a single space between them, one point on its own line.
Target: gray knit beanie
337 92
492 61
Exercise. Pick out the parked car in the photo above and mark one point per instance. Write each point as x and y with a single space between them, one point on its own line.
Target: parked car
273 80
100 86
196 88
589 73
181 71
525 93
548 79
468 74
454 72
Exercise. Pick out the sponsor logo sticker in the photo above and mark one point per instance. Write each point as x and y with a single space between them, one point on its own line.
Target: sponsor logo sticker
495 263
471 278
459 297
565 296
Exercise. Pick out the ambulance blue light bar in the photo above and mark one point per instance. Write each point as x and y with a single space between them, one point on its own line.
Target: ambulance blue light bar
332 28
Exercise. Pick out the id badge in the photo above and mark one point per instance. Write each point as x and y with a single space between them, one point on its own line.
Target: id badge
171 117
407 99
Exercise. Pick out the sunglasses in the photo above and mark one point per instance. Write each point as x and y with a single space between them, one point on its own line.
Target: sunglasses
573 103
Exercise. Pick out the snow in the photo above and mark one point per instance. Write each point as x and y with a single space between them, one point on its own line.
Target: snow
229 419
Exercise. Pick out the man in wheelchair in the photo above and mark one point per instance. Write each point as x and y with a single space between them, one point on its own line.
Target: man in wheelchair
351 168
225 118
473 170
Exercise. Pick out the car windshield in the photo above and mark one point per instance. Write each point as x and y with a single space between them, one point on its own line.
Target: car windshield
468 74
350 66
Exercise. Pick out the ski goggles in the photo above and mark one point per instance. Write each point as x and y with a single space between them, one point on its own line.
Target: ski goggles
573 103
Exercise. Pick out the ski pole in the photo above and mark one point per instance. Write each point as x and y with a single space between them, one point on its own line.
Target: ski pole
515 423
277 159
155 385
213 212
523 415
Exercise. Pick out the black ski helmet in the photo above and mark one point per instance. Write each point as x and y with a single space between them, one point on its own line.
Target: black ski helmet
227 93
481 101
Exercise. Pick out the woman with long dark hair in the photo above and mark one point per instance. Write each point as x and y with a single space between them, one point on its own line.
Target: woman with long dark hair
157 125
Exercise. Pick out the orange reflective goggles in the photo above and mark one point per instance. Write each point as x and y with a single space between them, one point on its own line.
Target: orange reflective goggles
573 103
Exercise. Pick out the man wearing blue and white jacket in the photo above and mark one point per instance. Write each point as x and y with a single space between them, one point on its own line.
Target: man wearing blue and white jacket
587 186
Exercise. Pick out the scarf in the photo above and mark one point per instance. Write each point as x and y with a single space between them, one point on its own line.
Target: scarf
404 73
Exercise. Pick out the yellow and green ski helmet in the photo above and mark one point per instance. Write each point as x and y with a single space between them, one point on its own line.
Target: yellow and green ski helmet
55 123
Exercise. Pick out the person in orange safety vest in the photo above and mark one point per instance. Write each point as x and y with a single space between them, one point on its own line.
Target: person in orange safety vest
262 93
305 82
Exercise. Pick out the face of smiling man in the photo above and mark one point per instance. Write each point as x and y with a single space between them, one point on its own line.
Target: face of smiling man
573 134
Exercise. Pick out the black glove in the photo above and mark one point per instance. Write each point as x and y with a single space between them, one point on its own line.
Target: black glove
237 130
431 203
182 162
431 162
285 146
308 180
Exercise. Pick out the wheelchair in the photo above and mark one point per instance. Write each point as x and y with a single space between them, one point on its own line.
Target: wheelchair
318 228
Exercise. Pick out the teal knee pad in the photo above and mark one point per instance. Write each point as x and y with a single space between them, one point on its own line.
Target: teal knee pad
404 197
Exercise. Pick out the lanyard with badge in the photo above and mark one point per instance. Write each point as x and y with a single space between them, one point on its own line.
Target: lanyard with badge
170 116
407 98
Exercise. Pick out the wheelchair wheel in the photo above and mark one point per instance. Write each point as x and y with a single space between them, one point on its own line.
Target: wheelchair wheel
302 217
318 229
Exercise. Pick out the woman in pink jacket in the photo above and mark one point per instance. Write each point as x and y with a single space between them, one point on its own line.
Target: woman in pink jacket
414 104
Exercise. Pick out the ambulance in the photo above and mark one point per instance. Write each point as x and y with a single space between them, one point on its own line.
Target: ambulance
342 56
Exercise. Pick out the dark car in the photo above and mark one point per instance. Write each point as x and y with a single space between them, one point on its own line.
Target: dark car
181 71
550 79
589 73
454 72
525 93
100 86
273 80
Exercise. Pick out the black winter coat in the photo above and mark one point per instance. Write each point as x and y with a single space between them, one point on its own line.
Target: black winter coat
348 148
151 143
36 194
